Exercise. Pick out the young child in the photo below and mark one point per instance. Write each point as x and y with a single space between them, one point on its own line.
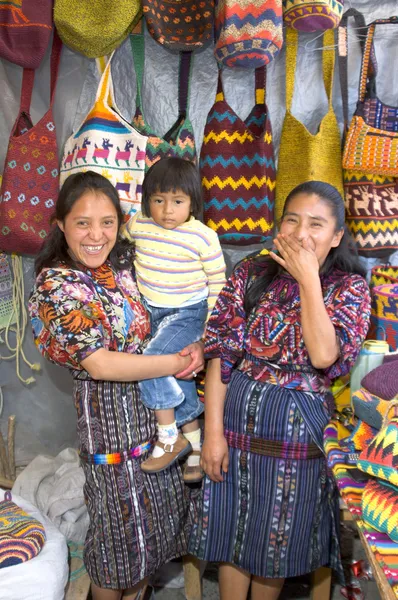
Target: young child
180 271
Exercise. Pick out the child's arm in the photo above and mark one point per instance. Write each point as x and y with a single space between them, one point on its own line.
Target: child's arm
128 230
214 267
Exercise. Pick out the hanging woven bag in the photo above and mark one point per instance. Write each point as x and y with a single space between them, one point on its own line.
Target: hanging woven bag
238 170
179 140
247 35
180 24
29 188
107 144
25 31
312 15
370 161
304 156
96 27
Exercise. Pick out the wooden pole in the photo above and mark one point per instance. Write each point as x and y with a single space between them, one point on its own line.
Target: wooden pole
6 483
3 458
11 445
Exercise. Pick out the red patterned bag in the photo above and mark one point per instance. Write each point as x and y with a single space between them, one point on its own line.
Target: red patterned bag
30 183
25 31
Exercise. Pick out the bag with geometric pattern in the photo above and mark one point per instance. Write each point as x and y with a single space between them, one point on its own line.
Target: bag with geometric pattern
380 458
384 315
30 182
247 34
311 15
370 164
381 274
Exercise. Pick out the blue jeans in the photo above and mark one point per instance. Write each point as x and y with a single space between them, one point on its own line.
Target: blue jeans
172 329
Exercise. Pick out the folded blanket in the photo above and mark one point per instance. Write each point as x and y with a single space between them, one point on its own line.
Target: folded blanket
55 486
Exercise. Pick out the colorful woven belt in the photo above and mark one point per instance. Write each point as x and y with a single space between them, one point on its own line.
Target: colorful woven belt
288 450
117 457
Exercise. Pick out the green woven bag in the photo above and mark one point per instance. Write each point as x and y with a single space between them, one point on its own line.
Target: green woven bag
97 27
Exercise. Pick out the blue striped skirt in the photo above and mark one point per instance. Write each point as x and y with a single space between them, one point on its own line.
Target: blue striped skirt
276 513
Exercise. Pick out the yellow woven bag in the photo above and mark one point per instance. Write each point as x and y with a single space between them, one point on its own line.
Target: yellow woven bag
304 156
96 27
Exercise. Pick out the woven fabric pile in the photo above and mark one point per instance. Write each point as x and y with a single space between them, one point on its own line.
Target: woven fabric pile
364 461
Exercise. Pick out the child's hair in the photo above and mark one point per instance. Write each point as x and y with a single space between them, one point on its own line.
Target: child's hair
55 248
172 174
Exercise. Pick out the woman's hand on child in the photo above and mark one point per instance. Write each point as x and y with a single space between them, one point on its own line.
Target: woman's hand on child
214 457
299 259
197 364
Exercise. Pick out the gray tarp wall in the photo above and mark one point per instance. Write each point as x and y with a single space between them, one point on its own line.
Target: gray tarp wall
44 410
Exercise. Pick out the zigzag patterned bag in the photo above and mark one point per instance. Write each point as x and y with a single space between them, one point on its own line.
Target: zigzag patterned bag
21 536
238 170
370 162
380 507
179 140
312 15
383 274
247 34
380 458
107 144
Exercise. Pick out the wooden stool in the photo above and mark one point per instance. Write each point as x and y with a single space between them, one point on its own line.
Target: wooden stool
321 583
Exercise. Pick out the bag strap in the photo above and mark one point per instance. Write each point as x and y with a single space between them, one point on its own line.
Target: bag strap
260 82
291 61
137 42
28 77
184 78
365 71
342 46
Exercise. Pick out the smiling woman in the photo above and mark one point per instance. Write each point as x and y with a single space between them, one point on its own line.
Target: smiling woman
282 328
87 315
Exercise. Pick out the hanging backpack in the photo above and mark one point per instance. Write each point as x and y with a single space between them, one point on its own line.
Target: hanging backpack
370 162
312 15
95 27
107 144
238 170
25 31
304 156
30 182
249 35
179 140
180 24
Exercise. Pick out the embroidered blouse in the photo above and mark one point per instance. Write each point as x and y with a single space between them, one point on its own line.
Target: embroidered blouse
268 344
76 312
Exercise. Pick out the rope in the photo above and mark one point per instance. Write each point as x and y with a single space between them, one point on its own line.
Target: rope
20 314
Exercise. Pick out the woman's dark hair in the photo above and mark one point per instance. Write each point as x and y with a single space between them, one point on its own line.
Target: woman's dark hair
344 257
172 174
55 248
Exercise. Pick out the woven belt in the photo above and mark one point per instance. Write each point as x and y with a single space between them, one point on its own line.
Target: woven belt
288 450
117 457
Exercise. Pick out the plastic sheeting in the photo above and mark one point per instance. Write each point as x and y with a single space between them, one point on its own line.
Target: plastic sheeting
44 410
